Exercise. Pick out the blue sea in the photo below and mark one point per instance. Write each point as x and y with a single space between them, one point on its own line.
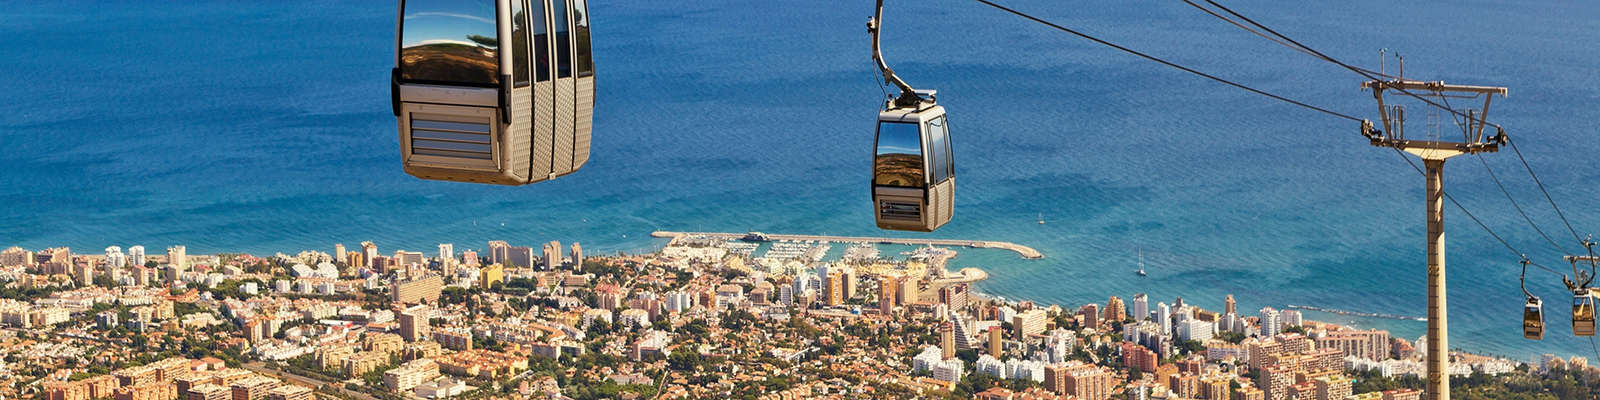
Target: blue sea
265 127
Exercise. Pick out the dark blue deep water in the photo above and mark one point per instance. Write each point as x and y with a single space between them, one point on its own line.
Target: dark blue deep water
265 127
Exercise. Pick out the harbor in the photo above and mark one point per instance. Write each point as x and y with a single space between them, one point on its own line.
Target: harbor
1021 250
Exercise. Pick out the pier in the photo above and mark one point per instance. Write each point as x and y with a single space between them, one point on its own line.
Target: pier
1024 251
1355 313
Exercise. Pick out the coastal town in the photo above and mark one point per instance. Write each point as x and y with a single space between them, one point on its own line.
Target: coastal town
706 316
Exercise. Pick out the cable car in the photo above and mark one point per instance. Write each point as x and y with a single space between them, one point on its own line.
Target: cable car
913 173
1533 319
493 91
1533 310
1583 302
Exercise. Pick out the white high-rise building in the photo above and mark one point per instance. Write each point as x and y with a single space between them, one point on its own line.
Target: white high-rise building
114 258
338 253
577 257
1194 329
822 273
136 256
803 282
1025 369
1290 317
369 253
178 256
552 254
499 252
1270 323
1059 344
926 359
1180 314
1005 314
948 370
447 253
786 294
988 365
678 301
1227 323
1141 307
1164 317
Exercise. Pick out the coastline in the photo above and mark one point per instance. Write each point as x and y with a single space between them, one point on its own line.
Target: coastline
1021 250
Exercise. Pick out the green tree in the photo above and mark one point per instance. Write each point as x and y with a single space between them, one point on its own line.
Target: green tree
1231 337
685 360
1192 347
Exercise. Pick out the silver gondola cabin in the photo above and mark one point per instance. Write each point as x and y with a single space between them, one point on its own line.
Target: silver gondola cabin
1533 319
913 173
913 176
1583 297
471 111
1533 310
1583 303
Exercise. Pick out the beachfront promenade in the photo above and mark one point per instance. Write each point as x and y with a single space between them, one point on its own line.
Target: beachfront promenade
1024 251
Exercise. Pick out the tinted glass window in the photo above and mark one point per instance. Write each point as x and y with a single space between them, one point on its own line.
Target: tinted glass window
580 32
541 42
519 42
450 42
940 143
898 161
563 40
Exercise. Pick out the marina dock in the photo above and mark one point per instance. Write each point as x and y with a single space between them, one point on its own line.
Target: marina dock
1024 251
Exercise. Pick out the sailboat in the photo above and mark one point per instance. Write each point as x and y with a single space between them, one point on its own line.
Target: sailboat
1141 263
1041 218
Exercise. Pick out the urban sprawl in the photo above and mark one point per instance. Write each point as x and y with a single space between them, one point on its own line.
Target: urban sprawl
704 317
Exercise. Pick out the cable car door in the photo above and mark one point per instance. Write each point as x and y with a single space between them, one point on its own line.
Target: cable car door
452 91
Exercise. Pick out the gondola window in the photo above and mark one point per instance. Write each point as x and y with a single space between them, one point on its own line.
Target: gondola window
899 158
940 136
449 42
563 41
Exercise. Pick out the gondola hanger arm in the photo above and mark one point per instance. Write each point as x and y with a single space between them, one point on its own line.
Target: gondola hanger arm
908 96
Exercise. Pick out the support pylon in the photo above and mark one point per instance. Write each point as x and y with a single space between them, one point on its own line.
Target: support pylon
1433 153
1438 361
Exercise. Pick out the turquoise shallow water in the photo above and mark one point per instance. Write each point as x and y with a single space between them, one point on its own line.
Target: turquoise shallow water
264 127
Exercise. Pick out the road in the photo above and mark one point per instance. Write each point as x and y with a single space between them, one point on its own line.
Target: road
261 368
1024 251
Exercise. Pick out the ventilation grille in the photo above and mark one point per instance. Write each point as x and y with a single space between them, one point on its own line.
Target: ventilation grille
899 210
451 139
